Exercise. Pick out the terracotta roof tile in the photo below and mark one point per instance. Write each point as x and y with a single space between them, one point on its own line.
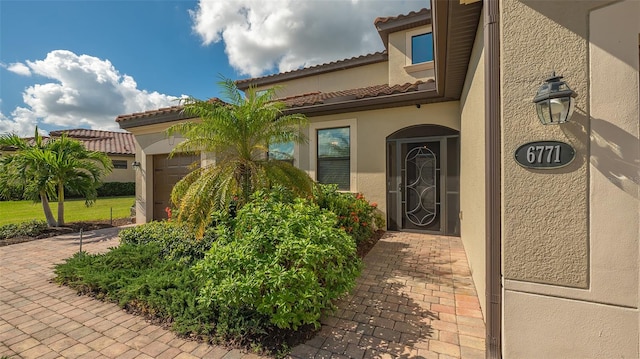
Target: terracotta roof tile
173 110
390 19
150 113
117 143
315 98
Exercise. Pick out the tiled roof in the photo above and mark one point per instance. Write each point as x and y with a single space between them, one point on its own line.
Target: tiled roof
150 113
314 70
388 25
175 112
316 98
390 19
383 92
117 143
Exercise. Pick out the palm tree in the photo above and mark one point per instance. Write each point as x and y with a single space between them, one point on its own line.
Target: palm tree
44 168
26 168
71 164
238 132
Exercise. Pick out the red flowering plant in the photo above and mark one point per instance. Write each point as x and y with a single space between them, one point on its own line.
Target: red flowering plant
356 216
168 211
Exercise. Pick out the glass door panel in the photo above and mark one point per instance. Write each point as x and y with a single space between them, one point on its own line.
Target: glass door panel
420 168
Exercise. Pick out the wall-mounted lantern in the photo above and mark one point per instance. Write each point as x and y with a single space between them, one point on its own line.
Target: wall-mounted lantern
554 101
136 165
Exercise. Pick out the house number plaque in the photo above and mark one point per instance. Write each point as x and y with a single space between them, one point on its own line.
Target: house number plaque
544 154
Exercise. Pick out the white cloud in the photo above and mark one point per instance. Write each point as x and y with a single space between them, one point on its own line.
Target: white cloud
22 122
85 92
288 34
19 68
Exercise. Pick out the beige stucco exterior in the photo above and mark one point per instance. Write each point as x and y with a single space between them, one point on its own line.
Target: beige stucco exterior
117 175
472 162
362 76
401 70
369 131
570 236
570 251
121 174
150 140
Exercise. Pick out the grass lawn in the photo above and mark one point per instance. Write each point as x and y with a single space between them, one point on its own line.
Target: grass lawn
74 210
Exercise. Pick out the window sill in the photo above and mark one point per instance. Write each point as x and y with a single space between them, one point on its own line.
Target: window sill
419 67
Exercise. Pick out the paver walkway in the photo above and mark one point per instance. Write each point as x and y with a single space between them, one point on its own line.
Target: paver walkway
415 299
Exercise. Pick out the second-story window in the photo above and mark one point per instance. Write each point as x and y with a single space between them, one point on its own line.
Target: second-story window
422 48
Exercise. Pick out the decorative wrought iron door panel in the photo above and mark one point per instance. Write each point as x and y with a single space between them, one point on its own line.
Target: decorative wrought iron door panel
420 186
420 194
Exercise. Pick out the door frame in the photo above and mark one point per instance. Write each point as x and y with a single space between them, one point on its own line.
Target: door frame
399 205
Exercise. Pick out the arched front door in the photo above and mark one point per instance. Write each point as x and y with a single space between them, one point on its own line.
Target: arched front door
423 180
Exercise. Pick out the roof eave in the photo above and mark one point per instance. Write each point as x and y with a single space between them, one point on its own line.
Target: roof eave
153 120
385 28
428 95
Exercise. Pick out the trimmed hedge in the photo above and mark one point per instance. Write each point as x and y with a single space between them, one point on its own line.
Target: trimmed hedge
115 189
107 189
29 229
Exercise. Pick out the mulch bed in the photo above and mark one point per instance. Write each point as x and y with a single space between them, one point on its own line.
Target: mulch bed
73 227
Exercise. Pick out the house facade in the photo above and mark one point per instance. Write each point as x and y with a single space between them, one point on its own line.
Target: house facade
429 129
118 146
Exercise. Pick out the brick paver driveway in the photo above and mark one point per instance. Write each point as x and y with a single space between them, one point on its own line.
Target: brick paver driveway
415 299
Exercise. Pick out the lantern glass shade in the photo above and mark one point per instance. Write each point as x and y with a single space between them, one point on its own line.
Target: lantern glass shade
556 110
554 101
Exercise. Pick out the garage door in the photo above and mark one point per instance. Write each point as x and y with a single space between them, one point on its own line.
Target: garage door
166 173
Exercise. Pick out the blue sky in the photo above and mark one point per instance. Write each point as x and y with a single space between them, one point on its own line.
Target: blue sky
71 64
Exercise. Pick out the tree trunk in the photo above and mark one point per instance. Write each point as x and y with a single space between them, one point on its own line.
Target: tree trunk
47 210
60 204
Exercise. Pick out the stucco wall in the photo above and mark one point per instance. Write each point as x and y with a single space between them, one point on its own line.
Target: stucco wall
545 212
570 236
361 76
150 140
370 129
400 69
472 162
121 174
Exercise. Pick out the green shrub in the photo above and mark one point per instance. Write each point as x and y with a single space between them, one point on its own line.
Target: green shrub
137 277
355 214
280 265
12 192
176 241
32 228
115 189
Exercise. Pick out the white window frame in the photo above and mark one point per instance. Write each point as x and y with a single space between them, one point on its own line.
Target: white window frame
353 145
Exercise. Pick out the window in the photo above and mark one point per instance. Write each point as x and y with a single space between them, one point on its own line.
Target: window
334 157
119 164
281 151
422 48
